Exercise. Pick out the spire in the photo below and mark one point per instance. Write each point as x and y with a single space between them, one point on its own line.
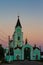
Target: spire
18 23
26 41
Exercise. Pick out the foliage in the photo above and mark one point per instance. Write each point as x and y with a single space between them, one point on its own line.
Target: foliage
1 53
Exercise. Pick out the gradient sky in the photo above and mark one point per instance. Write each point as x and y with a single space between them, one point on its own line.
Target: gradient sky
31 17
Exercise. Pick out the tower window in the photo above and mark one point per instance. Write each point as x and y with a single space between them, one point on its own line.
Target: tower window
18 38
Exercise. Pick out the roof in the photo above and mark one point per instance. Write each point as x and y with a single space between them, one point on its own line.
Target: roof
18 23
18 47
36 48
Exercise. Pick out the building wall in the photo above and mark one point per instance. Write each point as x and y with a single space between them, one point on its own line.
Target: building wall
31 51
36 52
9 58
18 54
18 33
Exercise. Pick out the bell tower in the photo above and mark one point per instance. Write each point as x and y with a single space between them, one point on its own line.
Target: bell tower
18 34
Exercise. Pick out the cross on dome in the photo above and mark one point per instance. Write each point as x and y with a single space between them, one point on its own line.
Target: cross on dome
18 23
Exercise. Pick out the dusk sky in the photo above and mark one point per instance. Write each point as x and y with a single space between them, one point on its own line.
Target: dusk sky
31 18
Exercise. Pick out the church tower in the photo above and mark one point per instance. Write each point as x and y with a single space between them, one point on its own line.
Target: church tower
18 35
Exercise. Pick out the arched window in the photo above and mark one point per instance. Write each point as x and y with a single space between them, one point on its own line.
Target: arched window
27 53
18 38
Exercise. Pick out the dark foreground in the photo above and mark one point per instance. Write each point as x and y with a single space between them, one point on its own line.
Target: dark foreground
23 63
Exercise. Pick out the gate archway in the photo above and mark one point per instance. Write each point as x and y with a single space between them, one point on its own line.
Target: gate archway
27 53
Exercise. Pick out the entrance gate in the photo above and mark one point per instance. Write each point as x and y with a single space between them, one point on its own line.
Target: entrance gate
27 53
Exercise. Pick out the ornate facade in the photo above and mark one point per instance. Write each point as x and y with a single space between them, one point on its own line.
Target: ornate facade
18 50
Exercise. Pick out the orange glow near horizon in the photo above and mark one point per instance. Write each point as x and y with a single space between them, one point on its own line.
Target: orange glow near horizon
34 36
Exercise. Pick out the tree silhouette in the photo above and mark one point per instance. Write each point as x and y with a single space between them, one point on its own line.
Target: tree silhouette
1 53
